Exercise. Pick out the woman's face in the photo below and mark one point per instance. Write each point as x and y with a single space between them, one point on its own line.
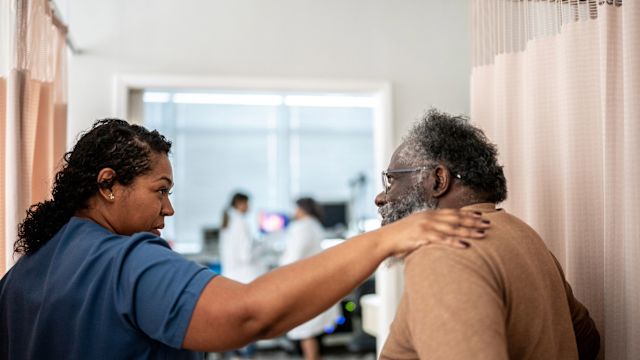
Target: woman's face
299 213
143 205
242 206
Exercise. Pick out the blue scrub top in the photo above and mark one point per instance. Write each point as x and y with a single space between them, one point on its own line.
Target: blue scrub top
91 294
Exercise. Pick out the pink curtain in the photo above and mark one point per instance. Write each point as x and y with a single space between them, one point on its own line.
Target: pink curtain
34 127
6 60
555 84
3 120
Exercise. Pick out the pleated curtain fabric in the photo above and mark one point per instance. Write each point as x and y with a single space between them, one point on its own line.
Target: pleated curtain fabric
6 57
555 84
35 116
3 121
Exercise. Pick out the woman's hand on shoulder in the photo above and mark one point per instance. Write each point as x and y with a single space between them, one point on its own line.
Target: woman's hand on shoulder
452 227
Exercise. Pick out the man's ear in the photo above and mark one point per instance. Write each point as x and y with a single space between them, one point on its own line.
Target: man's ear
441 181
106 179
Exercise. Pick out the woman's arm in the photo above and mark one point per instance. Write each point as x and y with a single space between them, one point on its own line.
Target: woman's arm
229 314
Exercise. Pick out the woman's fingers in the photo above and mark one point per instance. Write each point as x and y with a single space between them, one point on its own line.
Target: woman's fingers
453 227
446 226
461 224
463 218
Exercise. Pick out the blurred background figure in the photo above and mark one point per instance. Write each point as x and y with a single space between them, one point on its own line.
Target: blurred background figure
236 251
303 239
236 241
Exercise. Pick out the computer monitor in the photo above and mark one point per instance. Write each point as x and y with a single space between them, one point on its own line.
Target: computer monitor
334 215
271 221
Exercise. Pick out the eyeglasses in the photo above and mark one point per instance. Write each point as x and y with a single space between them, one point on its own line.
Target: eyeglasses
386 181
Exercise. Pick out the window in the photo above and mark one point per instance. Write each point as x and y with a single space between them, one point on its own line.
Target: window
274 146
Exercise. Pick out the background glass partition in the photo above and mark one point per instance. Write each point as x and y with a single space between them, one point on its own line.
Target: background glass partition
275 147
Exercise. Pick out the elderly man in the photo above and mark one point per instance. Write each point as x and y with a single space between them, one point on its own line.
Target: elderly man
506 296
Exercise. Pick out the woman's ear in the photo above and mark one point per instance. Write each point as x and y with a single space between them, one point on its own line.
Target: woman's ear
106 179
441 181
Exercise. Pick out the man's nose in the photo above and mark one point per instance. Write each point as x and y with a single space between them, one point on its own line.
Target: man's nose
381 199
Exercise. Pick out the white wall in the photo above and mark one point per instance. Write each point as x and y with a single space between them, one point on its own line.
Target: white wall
420 46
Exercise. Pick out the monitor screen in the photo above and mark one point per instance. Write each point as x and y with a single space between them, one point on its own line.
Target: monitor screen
334 214
270 222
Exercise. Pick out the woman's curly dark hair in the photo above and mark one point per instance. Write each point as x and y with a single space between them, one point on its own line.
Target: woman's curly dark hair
463 148
110 143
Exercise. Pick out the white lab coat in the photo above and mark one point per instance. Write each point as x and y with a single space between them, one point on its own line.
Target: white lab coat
303 240
236 245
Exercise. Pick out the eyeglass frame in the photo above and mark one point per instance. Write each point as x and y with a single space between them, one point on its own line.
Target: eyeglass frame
386 184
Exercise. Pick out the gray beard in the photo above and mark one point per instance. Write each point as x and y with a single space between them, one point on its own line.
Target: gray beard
408 204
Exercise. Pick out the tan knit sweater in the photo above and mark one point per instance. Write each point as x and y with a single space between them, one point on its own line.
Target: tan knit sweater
504 298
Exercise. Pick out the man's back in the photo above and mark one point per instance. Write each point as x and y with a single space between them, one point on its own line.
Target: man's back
504 298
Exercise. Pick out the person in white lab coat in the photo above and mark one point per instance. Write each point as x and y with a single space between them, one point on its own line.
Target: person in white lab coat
236 260
236 242
303 240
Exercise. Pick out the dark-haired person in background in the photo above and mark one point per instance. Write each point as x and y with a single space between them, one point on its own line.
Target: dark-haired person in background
236 242
96 280
505 298
303 239
236 251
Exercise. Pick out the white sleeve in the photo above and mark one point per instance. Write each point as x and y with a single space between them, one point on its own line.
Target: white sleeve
297 238
239 242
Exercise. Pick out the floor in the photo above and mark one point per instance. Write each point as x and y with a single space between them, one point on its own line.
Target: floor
335 349
278 355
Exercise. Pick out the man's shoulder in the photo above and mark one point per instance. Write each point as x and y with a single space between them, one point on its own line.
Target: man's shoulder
436 261
510 242
440 254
